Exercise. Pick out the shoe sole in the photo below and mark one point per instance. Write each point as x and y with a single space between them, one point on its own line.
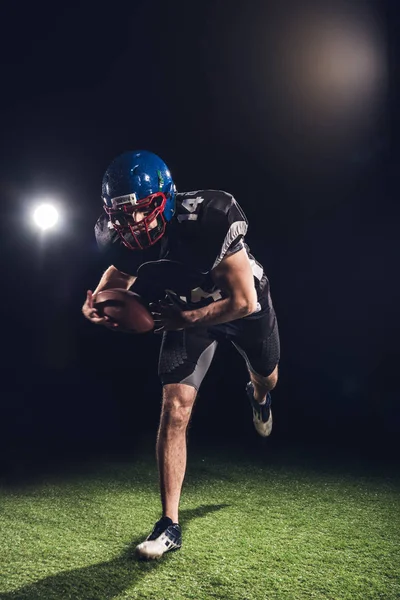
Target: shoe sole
146 557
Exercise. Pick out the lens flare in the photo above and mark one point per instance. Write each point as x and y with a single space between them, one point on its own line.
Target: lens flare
45 216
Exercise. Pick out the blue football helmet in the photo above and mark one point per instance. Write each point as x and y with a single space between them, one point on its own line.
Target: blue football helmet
138 181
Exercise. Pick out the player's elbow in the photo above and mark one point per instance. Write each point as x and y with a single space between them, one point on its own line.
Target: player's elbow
245 305
254 306
251 307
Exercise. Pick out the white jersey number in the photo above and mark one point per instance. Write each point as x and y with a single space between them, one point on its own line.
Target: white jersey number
192 203
198 294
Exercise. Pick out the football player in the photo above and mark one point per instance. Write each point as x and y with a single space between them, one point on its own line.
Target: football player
186 254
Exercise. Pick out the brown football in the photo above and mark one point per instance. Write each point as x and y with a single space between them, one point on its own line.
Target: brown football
125 308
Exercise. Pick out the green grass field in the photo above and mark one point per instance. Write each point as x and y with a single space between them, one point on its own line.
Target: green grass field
252 530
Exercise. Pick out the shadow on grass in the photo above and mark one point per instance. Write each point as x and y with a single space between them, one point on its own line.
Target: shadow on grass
102 581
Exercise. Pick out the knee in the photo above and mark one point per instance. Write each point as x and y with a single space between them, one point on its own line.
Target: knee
177 407
267 382
175 414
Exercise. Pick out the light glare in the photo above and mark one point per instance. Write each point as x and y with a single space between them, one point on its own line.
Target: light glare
45 216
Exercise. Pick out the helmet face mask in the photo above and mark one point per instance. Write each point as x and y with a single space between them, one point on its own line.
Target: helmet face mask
138 235
138 182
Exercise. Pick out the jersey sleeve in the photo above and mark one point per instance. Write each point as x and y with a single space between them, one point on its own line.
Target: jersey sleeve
229 226
113 251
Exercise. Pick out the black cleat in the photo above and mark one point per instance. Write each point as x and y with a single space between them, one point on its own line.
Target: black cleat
165 536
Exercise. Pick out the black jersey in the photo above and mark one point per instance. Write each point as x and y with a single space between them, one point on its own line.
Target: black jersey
207 226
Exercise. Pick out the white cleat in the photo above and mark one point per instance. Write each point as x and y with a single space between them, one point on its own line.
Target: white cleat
262 413
166 536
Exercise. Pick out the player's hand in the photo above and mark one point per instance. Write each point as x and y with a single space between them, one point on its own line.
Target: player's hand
167 316
93 315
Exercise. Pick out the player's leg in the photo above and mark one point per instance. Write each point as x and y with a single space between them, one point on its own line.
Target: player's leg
262 384
185 357
258 343
178 401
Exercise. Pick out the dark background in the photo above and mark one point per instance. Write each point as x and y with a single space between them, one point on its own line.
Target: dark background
220 92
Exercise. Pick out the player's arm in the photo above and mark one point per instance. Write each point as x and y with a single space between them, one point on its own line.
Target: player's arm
111 278
233 275
114 278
